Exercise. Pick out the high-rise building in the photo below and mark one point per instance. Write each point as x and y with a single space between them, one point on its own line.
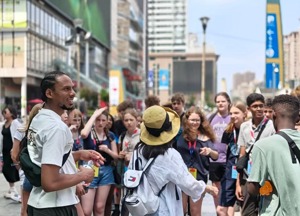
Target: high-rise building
127 49
167 25
292 58
34 39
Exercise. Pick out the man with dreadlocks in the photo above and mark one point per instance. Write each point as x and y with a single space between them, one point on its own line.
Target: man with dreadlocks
275 170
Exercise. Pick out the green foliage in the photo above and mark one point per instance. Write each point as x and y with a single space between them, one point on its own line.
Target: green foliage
91 97
104 95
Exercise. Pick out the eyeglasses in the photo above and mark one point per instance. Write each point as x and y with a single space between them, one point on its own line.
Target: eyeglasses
256 106
194 120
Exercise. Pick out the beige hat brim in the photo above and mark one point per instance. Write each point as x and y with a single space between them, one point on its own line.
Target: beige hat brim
165 136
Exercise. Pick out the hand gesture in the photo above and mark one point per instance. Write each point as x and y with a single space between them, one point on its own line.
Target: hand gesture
103 148
205 151
122 154
98 112
73 128
96 157
212 190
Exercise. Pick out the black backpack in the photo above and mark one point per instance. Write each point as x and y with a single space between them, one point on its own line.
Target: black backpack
31 170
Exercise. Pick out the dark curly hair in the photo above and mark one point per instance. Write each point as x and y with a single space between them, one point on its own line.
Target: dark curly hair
204 128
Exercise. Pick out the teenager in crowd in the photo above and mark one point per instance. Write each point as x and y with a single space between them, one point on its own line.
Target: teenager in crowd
75 123
268 110
103 141
219 121
158 130
250 131
238 113
195 145
178 102
127 143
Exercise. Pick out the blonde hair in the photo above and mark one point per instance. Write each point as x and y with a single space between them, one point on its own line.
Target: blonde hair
242 107
77 113
34 110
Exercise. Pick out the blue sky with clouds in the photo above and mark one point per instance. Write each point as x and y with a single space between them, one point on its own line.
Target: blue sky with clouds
236 30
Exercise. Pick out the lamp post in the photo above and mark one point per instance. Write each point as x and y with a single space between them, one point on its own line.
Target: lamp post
78 27
204 21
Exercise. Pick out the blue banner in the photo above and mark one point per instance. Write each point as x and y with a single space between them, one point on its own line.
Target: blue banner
150 78
164 79
271 36
272 75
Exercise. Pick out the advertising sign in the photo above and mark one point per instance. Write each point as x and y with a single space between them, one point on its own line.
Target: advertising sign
272 75
150 79
164 79
13 14
271 37
95 15
274 46
114 91
13 55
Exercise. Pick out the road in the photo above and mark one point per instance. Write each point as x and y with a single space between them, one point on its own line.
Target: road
12 208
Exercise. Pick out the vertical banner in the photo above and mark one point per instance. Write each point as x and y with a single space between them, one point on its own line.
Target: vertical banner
164 78
114 91
274 46
150 79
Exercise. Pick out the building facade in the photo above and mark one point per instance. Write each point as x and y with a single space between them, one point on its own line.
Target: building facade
292 58
167 26
181 72
34 34
127 51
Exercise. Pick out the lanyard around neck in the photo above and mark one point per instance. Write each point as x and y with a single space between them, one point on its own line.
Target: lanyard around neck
192 146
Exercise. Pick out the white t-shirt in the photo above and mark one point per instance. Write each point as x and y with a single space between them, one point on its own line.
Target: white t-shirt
53 139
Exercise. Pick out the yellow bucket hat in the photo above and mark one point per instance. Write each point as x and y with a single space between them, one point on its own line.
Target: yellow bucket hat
160 125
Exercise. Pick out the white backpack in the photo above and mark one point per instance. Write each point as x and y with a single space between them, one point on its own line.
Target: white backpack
140 198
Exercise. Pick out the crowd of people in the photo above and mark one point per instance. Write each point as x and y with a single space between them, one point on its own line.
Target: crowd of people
191 148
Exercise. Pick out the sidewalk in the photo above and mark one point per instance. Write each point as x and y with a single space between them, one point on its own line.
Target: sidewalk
8 207
11 208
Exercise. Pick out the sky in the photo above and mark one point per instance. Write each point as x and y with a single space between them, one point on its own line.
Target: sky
236 31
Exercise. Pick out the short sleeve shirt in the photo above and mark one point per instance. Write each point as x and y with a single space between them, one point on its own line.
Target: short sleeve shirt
53 139
248 133
272 161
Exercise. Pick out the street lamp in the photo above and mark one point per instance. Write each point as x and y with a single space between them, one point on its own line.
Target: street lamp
204 21
78 26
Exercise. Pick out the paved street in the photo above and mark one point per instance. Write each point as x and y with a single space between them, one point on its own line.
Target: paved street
12 208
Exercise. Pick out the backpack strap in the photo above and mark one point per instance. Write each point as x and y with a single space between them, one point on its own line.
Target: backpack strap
259 134
295 152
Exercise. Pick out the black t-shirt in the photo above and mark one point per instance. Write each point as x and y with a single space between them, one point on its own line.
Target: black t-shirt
119 127
192 157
